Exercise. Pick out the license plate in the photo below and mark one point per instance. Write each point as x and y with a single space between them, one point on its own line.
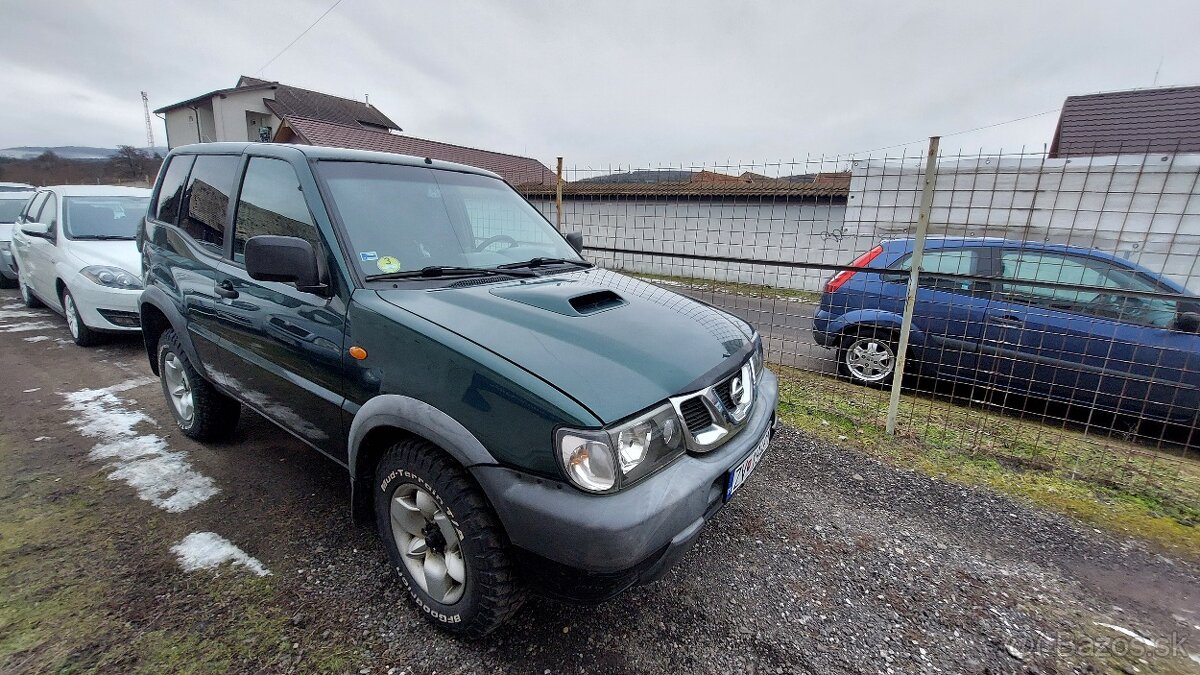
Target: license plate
740 473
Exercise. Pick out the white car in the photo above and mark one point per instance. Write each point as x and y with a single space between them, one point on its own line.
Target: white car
73 247
12 204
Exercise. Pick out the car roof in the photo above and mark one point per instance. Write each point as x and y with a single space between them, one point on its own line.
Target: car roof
98 191
316 152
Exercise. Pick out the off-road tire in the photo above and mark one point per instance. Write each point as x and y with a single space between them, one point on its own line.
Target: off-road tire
215 415
493 592
31 301
81 334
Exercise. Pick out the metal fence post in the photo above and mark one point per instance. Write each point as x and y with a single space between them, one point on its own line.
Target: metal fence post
910 297
558 197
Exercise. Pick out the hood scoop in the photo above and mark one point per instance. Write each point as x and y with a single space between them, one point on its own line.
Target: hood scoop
568 298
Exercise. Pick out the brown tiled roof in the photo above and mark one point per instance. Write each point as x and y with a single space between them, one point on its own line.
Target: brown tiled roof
1139 121
516 170
834 186
285 100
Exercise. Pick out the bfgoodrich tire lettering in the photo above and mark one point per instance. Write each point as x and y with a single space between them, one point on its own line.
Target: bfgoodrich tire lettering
202 412
491 592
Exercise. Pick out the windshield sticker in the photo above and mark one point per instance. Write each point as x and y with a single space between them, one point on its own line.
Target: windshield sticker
387 264
368 256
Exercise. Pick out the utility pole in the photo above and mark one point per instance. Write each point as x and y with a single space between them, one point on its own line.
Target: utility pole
149 128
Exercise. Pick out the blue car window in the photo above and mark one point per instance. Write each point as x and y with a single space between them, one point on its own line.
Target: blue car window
942 261
1076 271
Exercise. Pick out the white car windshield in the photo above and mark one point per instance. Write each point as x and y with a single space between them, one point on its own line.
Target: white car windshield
103 217
402 218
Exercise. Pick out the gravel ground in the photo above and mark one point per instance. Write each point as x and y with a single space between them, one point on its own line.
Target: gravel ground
826 562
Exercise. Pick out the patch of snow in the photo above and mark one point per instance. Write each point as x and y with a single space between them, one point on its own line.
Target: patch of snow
38 338
30 391
41 438
22 313
160 475
209 550
1128 633
24 327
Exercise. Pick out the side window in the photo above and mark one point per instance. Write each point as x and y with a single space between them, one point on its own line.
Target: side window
49 214
30 214
207 197
1076 271
170 192
271 203
942 261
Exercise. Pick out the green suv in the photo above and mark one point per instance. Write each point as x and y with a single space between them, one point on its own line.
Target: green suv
510 416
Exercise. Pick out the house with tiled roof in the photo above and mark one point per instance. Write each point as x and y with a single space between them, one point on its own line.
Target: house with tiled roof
1132 122
266 111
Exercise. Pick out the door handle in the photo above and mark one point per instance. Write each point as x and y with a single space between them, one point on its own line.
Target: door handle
1005 320
226 290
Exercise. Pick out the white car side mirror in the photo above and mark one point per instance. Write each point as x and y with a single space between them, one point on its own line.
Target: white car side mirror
40 230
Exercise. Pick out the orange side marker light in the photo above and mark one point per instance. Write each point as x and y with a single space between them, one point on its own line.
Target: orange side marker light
358 352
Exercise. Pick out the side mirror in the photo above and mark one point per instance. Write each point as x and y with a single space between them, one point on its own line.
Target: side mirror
1188 322
284 259
575 239
39 230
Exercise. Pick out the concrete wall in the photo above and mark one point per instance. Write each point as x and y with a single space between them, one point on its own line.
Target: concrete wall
767 229
1144 208
221 119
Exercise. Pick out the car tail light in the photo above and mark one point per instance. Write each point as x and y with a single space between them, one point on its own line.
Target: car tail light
844 276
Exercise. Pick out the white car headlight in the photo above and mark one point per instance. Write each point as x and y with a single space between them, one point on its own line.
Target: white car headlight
605 460
112 277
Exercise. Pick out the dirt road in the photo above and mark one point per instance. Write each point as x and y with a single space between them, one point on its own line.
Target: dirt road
126 547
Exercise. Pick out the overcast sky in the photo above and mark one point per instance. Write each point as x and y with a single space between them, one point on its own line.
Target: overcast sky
606 83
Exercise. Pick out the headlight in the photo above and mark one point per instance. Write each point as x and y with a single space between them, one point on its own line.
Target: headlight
112 277
602 461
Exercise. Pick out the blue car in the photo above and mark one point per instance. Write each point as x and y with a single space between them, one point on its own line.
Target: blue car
987 313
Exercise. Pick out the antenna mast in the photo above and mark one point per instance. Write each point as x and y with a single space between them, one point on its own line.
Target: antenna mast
149 128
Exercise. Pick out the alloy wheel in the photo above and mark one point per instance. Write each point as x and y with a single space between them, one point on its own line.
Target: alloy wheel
870 359
179 388
429 544
72 316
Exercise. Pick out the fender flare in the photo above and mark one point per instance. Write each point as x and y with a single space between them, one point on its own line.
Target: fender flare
418 418
155 297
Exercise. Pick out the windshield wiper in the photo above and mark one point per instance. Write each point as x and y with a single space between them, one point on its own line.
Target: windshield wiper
435 271
104 237
538 262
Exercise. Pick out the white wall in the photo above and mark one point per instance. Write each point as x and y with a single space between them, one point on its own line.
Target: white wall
766 229
230 112
1144 208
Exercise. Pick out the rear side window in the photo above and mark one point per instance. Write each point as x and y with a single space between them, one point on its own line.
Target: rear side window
271 203
207 197
170 193
937 262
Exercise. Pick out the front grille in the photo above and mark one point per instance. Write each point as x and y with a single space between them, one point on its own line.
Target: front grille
723 393
695 414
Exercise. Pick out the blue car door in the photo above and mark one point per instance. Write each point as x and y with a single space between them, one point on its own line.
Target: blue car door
948 314
1089 347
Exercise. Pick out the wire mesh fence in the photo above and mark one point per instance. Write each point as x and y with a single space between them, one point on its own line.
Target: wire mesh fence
1052 325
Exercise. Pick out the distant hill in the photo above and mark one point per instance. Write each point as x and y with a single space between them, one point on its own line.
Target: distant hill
68 152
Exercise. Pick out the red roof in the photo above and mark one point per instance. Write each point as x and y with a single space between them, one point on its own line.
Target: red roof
1139 121
515 169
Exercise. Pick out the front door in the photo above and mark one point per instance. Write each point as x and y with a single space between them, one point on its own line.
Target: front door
284 346
1090 347
42 254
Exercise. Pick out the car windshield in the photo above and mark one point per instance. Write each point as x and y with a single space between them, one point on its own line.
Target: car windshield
405 218
10 209
103 217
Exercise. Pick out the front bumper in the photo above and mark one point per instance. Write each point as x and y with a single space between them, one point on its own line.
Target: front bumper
102 308
591 547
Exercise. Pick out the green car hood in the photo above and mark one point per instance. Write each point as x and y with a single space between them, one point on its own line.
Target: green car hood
615 344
